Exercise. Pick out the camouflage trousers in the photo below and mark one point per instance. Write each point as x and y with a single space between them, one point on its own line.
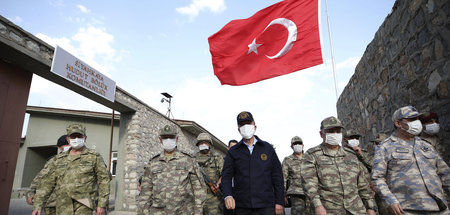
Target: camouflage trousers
298 205
76 209
50 210
213 205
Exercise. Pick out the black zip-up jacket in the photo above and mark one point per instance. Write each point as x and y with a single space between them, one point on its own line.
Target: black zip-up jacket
258 177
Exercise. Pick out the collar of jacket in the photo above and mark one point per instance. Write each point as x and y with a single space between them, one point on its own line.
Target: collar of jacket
175 155
340 152
243 143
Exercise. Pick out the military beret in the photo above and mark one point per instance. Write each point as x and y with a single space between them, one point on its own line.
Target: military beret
351 133
62 141
244 116
76 128
330 122
168 130
428 116
406 112
296 139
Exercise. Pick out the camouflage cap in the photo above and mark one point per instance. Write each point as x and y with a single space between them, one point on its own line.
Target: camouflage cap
330 122
203 137
351 133
76 128
428 116
168 130
296 139
244 116
406 112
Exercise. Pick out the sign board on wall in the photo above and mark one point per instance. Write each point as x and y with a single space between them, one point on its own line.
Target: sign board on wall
77 71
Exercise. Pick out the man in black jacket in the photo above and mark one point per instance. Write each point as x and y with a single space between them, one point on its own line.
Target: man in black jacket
256 169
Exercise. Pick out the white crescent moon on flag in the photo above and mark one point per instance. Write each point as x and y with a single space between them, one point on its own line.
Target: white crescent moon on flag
292 36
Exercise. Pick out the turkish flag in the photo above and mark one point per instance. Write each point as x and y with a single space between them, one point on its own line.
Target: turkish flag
277 40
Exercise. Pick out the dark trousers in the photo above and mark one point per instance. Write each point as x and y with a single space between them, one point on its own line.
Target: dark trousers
255 211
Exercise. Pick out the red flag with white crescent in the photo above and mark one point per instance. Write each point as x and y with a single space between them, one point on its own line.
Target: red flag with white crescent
277 40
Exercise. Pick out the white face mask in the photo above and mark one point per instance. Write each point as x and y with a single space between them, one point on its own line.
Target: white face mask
247 131
298 148
77 143
414 127
432 128
169 144
333 138
353 142
66 148
203 147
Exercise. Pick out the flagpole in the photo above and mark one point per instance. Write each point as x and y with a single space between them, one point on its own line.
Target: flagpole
332 52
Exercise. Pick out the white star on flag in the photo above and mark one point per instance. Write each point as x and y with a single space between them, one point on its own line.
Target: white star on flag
253 47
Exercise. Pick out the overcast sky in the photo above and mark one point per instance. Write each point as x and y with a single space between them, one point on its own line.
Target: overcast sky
150 47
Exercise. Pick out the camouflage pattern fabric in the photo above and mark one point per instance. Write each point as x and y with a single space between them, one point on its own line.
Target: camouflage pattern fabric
50 210
291 171
299 205
402 168
406 112
51 201
336 180
212 164
82 181
172 186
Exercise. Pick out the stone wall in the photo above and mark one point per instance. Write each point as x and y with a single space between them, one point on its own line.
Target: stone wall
407 63
138 143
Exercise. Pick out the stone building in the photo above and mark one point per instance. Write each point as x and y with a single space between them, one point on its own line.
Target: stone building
46 125
407 63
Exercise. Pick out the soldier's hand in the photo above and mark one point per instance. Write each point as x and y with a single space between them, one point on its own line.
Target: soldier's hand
100 211
371 212
357 149
320 210
278 209
229 203
36 212
286 202
396 209
30 200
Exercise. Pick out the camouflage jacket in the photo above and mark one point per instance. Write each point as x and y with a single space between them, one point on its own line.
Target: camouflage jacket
212 164
175 186
336 180
410 173
82 177
291 173
51 201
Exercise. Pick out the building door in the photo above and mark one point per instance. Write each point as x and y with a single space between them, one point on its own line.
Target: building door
14 89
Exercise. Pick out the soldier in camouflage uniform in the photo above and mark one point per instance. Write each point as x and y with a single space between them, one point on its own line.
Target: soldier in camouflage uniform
172 183
351 140
430 122
292 180
333 178
211 164
50 204
408 173
81 177
382 209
